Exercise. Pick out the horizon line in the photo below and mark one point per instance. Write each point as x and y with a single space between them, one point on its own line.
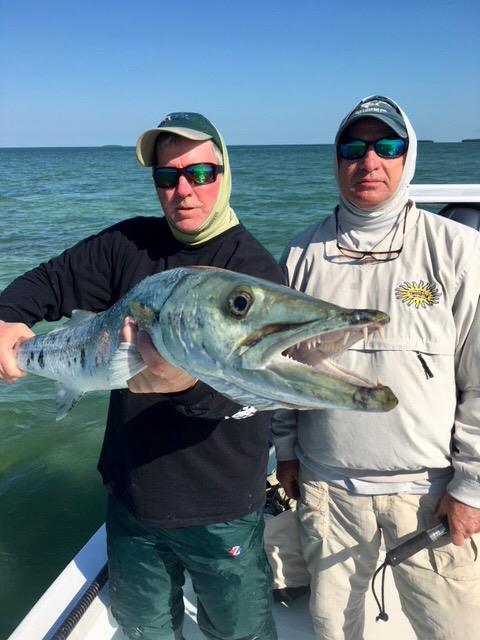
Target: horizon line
272 144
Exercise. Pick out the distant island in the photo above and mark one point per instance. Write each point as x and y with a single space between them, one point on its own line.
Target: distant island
471 140
426 141
111 146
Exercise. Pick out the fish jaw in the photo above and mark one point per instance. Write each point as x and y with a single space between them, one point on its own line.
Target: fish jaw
294 362
299 386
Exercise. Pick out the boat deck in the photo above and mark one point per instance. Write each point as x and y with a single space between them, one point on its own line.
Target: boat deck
292 620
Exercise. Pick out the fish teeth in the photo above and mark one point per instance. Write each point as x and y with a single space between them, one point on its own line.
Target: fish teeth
365 333
346 337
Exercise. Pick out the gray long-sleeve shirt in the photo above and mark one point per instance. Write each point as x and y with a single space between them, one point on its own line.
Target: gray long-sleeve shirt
431 292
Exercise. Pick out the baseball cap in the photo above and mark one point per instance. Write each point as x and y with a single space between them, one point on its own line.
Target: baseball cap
189 125
378 107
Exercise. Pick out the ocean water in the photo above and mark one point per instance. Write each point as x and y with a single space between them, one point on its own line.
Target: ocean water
51 499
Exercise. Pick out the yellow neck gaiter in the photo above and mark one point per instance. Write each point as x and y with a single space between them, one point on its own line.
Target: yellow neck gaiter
222 216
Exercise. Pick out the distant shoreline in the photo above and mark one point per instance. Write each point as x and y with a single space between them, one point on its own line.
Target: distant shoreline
277 144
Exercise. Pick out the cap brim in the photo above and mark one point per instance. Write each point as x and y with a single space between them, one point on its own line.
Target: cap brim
145 148
390 122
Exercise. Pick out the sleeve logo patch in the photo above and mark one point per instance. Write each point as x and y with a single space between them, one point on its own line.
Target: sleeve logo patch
419 294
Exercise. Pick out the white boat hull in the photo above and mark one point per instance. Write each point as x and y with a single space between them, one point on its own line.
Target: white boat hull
292 619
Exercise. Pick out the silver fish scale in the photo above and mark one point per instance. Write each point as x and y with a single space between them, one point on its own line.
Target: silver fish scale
80 355
77 355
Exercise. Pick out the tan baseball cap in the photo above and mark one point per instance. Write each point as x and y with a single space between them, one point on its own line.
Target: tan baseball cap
189 125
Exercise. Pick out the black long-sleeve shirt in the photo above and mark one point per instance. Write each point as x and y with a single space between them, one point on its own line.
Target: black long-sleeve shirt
174 460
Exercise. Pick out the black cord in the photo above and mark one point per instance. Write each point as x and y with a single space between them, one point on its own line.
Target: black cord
426 368
381 607
82 605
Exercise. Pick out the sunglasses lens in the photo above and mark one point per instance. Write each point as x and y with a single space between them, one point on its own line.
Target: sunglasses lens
385 148
201 173
390 147
165 177
352 149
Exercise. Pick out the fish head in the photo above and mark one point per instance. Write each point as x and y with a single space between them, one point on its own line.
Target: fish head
273 344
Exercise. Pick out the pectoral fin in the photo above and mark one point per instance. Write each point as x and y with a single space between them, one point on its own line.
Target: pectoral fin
66 399
125 363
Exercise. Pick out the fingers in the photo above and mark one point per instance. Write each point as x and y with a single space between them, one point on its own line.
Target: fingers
129 331
12 334
159 376
457 538
463 520
150 355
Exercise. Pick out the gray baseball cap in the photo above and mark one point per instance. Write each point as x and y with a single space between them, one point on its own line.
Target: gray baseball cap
189 125
378 107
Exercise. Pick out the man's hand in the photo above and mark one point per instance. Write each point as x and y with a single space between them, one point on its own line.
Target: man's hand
463 520
287 475
160 376
11 335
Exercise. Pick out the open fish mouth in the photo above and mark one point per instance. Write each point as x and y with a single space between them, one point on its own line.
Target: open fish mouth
302 357
296 344
319 352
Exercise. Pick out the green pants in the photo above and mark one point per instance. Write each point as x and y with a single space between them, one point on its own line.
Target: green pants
226 562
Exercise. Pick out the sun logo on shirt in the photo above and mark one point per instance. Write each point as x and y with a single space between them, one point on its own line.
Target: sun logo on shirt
420 294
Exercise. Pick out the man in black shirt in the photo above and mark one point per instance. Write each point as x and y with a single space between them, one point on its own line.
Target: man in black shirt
186 481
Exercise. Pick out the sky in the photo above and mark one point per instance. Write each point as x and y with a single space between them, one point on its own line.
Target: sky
87 73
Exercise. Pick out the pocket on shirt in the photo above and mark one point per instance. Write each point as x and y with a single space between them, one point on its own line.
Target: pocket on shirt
458 563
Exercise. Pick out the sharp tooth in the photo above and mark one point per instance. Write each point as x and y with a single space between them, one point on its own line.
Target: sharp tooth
381 332
365 333
346 336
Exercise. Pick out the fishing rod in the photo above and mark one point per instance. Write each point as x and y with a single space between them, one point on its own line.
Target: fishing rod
403 551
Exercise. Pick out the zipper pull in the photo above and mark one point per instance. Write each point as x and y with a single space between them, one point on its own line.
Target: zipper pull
428 373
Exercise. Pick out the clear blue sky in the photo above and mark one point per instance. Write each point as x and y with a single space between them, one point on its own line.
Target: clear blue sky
80 73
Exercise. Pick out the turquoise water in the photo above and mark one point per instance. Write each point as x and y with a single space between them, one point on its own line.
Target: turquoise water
51 499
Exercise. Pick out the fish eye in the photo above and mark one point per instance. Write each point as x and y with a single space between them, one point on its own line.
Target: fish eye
239 302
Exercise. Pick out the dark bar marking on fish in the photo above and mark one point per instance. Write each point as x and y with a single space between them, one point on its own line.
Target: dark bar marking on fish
82 358
32 356
41 361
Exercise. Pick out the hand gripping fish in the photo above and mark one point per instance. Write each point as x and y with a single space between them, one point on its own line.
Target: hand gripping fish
230 330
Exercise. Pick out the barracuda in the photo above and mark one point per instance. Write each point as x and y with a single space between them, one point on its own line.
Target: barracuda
259 343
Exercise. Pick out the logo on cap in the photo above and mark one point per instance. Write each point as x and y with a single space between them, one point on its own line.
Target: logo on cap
174 116
235 551
373 106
